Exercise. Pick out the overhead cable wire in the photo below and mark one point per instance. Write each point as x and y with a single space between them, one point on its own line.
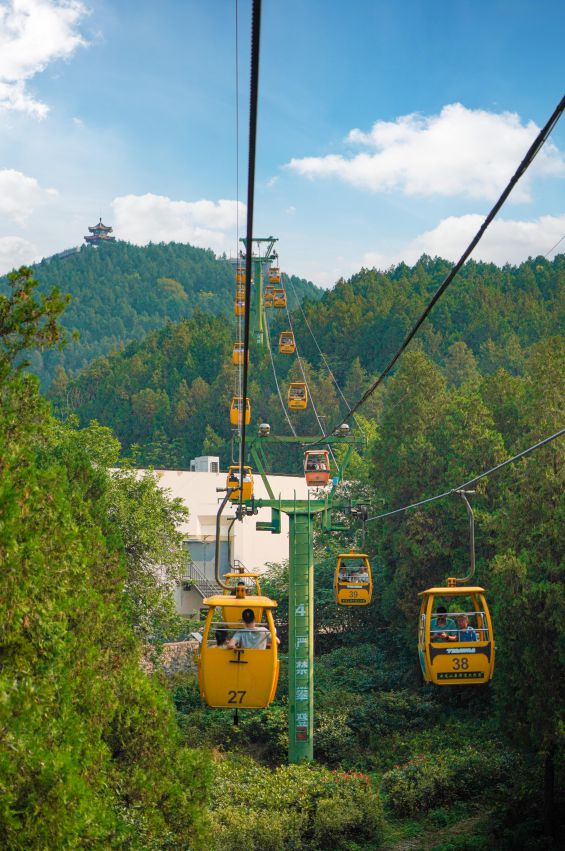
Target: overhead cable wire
471 482
334 379
553 247
254 97
533 150
239 373
283 406
302 370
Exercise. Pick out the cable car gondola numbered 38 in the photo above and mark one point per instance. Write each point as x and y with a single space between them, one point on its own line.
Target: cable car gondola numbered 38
456 644
239 677
353 582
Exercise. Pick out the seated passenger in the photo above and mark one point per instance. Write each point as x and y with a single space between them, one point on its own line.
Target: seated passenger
222 638
252 636
465 632
442 628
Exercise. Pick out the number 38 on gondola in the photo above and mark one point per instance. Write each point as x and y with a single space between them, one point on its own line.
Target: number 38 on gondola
455 636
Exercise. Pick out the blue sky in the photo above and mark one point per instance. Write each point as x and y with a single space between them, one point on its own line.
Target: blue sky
385 128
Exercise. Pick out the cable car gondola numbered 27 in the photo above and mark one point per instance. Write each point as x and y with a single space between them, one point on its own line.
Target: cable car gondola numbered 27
239 677
456 647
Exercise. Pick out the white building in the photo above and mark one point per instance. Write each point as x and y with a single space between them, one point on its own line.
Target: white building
240 542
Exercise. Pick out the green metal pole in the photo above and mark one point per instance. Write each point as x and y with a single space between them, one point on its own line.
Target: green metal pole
258 302
301 638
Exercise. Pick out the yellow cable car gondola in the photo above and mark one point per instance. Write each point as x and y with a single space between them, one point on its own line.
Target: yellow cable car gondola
240 275
274 275
269 295
279 300
237 354
297 396
353 583
239 307
238 665
287 346
233 482
455 636
316 467
236 408
241 583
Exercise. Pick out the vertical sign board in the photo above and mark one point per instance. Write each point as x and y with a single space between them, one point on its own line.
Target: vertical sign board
301 638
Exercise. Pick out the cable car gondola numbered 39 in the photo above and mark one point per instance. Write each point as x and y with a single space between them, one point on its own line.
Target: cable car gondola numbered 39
451 652
353 583
243 677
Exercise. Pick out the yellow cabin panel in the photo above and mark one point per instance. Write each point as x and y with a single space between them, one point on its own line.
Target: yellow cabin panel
287 346
457 661
353 583
241 677
238 679
233 482
236 411
297 396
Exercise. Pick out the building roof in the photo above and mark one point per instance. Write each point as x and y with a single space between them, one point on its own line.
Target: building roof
100 227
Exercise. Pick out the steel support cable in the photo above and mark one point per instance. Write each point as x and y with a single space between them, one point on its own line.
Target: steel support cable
553 247
239 387
533 150
283 406
334 379
254 96
465 485
299 359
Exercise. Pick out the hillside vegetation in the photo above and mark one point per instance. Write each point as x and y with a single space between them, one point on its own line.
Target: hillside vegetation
170 393
119 292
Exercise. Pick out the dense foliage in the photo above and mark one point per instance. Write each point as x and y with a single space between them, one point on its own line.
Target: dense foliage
90 755
170 393
120 291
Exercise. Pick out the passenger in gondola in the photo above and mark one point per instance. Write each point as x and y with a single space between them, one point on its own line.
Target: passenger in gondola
251 636
443 628
465 632
222 638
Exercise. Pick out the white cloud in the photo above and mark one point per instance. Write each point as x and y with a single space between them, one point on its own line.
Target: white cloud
506 241
291 210
461 151
15 252
34 33
272 182
156 218
20 194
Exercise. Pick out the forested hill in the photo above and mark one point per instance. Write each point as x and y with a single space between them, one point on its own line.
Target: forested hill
121 291
170 392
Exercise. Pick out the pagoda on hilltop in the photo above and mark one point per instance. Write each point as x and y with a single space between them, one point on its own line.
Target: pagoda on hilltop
99 233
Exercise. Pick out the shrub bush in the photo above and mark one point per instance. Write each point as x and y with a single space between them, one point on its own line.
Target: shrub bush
293 807
431 780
